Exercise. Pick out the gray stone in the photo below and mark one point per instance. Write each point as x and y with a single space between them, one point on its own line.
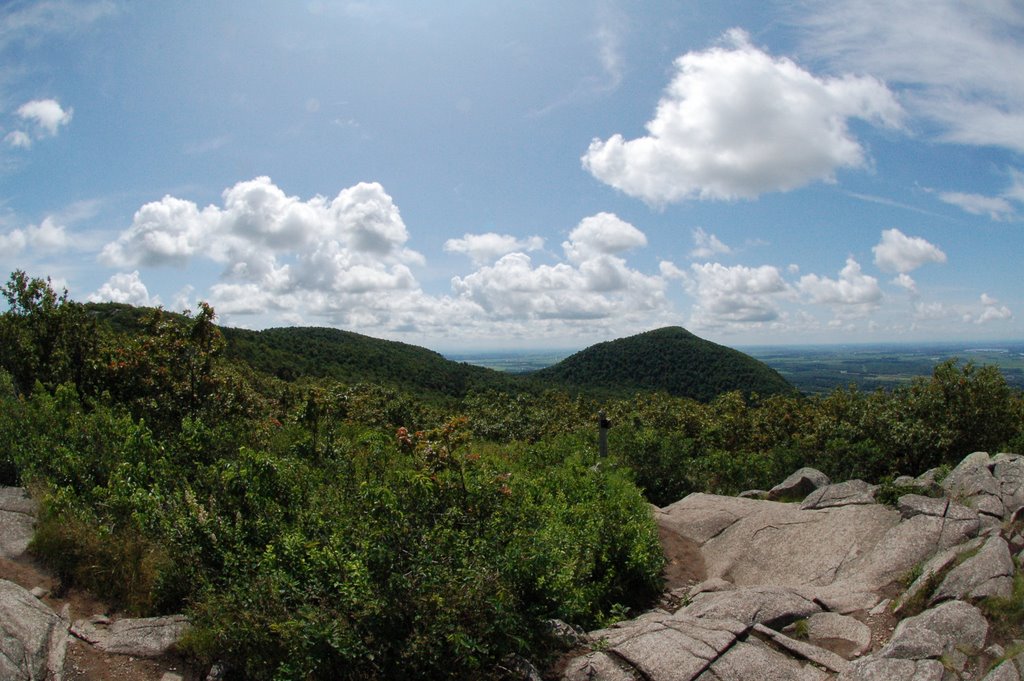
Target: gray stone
753 494
850 636
799 484
840 494
1007 671
955 625
33 639
753 659
598 667
932 567
565 633
140 637
17 520
987 573
807 651
710 585
771 605
911 505
888 669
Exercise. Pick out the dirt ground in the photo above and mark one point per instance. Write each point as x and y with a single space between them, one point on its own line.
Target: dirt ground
83 662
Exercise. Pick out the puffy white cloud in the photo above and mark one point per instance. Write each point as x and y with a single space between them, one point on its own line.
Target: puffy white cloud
905 281
602 234
46 237
961 64
736 295
707 245
594 284
897 252
47 115
124 288
853 293
735 123
353 243
992 311
486 248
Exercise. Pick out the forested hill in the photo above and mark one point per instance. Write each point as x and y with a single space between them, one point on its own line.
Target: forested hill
670 359
293 352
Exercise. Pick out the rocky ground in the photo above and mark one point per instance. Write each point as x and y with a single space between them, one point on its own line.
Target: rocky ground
817 589
46 637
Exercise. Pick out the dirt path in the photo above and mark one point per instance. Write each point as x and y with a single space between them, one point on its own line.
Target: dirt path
84 662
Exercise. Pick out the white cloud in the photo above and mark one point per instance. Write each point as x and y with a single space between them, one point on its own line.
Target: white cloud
124 288
707 245
18 139
46 237
595 284
735 295
905 281
992 311
852 294
897 252
486 248
354 242
602 234
960 64
996 207
46 116
736 123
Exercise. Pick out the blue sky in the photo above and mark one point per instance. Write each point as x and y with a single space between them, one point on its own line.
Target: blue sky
468 175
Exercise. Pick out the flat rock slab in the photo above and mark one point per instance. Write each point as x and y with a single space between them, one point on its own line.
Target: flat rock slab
752 659
17 520
987 573
33 638
139 637
770 605
887 669
847 636
841 494
750 542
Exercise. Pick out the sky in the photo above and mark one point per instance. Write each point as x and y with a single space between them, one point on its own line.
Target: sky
514 175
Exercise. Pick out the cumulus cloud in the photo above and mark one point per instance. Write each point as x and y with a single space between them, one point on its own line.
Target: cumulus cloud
124 288
18 139
853 293
736 122
602 234
996 207
46 237
897 252
594 284
354 242
737 294
47 115
707 245
486 248
991 311
941 54
905 281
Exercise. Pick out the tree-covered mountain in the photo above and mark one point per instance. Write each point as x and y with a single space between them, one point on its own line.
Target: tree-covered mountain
670 359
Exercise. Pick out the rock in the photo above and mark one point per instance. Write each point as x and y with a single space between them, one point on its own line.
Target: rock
930 571
139 637
519 668
973 482
1008 470
799 484
171 676
597 666
17 520
1007 671
33 639
951 626
911 505
710 585
753 659
883 669
847 636
753 494
677 647
565 633
841 494
819 656
987 573
770 605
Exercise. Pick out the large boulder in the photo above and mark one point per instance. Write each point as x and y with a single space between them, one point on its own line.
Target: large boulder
33 639
799 484
139 637
17 520
987 573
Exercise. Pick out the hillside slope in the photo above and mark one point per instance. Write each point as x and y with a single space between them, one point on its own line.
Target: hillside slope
670 359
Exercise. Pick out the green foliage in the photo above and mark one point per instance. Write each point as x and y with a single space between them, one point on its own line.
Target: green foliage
670 359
